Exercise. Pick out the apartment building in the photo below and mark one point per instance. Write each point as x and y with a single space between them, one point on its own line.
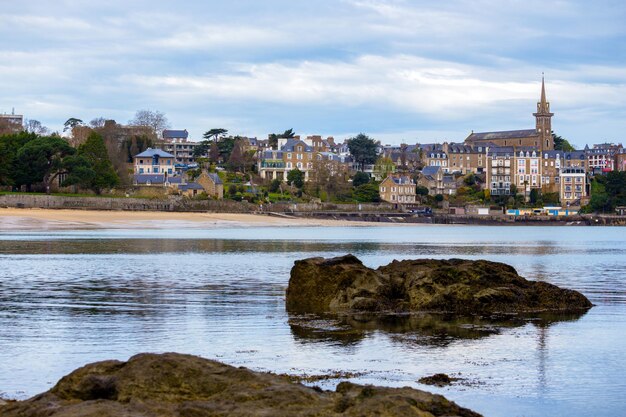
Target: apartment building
573 185
399 190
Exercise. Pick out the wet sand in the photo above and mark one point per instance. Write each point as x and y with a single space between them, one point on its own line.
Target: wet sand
45 219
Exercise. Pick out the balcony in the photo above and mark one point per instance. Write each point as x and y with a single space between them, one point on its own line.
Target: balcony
272 164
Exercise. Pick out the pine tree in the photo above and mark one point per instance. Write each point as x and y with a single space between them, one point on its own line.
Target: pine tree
95 152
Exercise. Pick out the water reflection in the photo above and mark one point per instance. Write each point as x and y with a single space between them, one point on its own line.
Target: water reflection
426 329
141 246
70 298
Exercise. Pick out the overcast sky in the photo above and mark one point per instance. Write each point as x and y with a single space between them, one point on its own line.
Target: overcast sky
400 71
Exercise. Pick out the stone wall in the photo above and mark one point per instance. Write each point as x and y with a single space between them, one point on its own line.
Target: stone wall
174 203
130 204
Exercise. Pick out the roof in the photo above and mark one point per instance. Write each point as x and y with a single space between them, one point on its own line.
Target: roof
175 180
401 180
291 143
574 155
190 186
175 134
501 151
269 154
505 134
149 178
149 153
573 170
216 178
430 170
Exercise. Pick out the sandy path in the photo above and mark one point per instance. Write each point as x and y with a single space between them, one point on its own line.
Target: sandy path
45 219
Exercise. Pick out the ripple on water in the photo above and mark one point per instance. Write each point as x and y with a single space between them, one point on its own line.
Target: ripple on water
75 297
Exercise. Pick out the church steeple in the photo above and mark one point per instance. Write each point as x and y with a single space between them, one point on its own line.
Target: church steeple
543 119
543 106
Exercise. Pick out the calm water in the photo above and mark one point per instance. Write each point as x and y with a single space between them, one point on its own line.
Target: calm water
69 298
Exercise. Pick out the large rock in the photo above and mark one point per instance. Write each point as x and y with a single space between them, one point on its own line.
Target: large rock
320 285
181 385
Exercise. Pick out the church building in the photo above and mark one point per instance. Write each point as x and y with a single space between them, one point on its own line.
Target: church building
539 138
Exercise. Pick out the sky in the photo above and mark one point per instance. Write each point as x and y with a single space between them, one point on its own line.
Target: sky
400 71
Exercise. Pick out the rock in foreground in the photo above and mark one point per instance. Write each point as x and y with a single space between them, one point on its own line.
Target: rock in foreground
319 285
182 385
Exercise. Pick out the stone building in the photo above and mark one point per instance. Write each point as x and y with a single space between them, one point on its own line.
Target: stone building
399 190
212 184
540 137
431 177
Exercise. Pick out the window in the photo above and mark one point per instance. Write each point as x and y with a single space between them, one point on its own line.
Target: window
141 170
289 156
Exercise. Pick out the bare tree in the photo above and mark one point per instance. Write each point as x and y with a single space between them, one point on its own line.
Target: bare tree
153 119
35 126
97 122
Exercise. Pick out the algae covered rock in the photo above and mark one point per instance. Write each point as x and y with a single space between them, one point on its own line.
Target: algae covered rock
182 385
461 286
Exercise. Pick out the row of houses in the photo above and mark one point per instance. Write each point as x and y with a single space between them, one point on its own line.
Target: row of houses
506 162
155 167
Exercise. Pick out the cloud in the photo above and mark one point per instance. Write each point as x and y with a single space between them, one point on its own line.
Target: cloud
390 66
408 83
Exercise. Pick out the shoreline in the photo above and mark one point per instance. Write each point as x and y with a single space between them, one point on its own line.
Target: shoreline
43 219
32 219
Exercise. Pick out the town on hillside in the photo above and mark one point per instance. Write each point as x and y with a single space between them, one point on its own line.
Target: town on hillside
520 170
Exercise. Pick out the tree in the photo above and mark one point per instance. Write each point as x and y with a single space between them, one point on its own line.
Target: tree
363 150
561 144
274 185
367 193
383 167
214 153
214 133
535 196
95 153
202 148
236 158
41 160
608 191
97 122
404 150
155 120
273 137
421 190
35 126
360 178
71 123
296 177
225 146
470 179
9 146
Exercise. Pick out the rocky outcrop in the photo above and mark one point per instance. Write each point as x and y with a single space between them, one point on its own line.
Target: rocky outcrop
460 286
439 380
181 385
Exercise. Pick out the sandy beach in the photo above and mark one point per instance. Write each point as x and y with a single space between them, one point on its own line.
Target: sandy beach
44 219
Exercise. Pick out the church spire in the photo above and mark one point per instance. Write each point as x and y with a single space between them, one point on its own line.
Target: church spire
543 119
543 104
